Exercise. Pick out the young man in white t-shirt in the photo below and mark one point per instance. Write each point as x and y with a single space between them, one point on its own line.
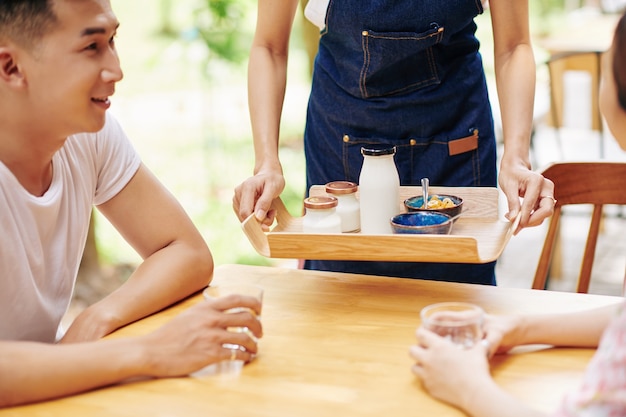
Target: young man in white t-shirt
61 154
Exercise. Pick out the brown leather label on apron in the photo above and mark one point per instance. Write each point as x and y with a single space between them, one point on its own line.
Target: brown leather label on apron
463 145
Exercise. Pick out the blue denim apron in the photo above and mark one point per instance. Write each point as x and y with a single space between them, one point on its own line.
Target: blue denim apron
404 73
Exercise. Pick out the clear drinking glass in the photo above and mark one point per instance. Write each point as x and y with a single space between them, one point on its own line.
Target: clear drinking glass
461 323
230 367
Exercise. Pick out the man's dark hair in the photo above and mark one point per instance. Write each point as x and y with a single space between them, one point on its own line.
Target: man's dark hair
619 60
25 21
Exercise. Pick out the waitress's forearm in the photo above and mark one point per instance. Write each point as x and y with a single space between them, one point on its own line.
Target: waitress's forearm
515 80
515 76
267 77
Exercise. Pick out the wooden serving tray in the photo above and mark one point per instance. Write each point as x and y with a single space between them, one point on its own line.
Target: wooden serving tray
478 236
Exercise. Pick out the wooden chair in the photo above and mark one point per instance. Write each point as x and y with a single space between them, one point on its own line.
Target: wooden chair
596 183
558 64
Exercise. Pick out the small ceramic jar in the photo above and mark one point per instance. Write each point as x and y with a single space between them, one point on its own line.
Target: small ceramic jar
321 215
347 206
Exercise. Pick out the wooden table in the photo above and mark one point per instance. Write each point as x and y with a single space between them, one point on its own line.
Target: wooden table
337 345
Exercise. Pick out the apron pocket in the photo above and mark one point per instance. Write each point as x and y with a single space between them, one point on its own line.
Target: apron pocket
406 150
398 62
446 161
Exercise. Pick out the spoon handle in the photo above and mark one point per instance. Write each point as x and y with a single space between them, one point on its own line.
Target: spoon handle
424 192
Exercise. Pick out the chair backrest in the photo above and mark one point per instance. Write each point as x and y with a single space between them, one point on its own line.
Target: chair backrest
595 183
558 64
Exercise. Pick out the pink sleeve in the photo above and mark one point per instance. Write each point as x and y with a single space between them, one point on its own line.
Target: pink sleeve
603 389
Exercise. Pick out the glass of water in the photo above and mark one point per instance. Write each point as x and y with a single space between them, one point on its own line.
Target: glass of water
231 367
461 323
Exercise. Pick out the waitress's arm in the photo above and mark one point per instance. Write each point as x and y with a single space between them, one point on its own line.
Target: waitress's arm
267 78
515 80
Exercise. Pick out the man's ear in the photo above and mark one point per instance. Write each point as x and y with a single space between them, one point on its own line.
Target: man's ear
10 71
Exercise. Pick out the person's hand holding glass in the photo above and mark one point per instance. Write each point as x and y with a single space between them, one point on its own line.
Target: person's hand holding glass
195 338
215 293
450 341
454 343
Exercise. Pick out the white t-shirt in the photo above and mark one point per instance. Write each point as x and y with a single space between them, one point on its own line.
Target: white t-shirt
42 238
315 11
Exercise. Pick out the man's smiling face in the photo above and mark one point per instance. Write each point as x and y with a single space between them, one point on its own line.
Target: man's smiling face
72 72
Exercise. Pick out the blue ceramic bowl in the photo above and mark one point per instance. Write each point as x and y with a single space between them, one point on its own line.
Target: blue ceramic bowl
422 222
414 204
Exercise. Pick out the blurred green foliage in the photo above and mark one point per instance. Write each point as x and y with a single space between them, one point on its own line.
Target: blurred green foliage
542 14
183 104
219 24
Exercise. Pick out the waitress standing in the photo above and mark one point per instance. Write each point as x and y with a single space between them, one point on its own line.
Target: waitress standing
406 74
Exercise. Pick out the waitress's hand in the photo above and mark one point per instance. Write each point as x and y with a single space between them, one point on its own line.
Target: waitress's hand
255 195
536 192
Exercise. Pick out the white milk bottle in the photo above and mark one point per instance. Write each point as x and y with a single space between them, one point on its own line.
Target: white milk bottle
379 190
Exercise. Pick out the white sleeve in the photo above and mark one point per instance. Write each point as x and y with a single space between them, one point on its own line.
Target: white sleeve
315 11
117 161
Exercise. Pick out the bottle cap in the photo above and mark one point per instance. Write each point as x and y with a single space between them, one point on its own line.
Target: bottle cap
376 151
341 187
320 202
